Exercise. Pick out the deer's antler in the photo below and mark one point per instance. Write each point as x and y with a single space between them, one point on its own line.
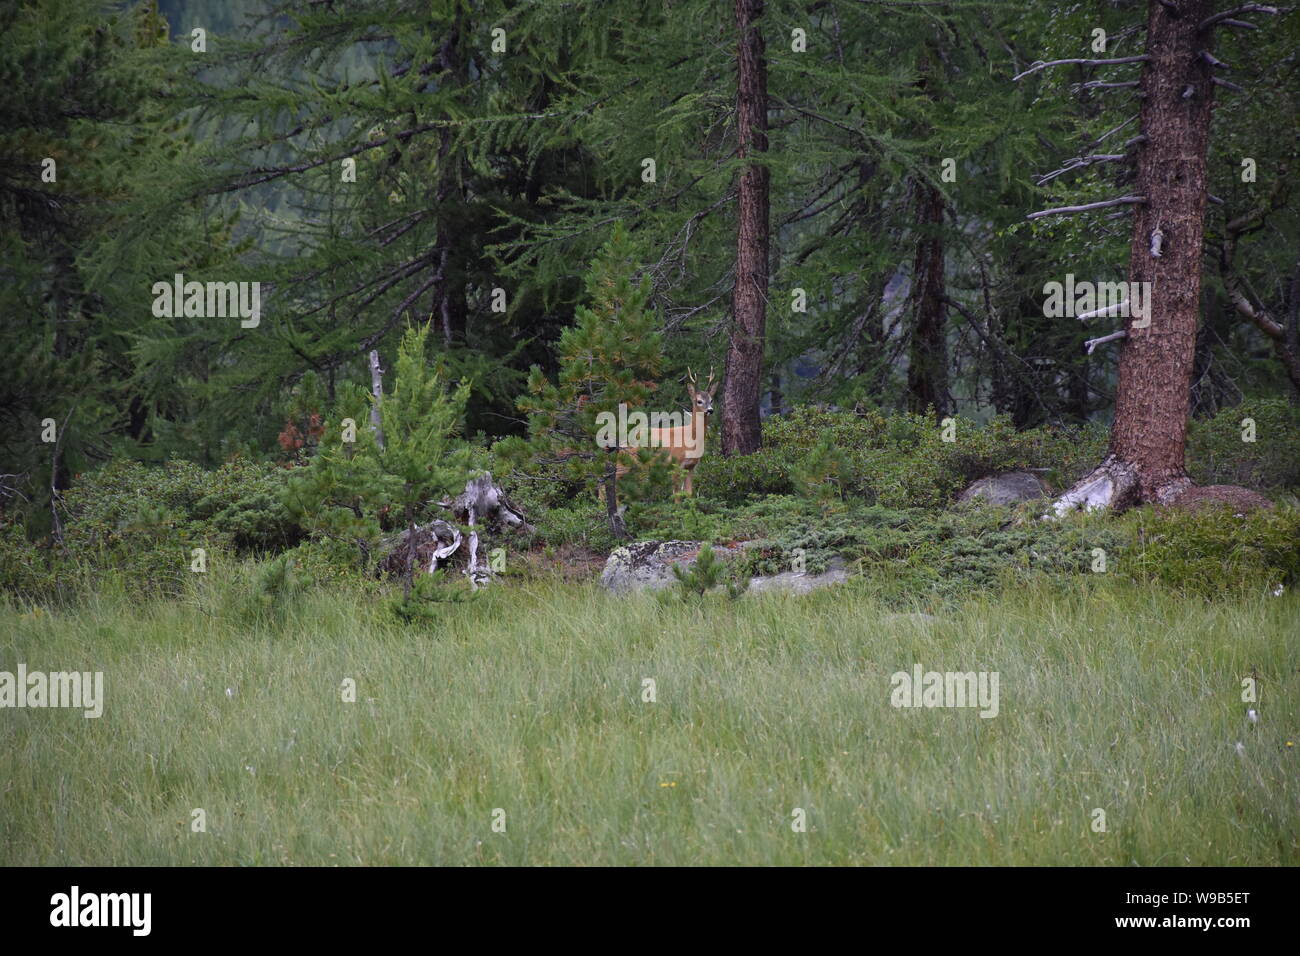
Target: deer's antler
690 376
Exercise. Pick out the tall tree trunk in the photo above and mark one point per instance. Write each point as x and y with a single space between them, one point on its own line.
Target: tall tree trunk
1148 437
741 433
442 306
927 367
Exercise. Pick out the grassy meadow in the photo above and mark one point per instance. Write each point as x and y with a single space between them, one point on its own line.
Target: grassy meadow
529 699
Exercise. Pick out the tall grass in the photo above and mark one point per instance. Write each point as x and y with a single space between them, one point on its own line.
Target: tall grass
530 700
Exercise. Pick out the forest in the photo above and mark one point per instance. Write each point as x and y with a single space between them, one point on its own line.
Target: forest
754 349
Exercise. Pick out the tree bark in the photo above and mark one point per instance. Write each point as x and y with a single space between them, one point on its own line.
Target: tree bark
442 306
612 512
927 367
1148 437
377 390
741 434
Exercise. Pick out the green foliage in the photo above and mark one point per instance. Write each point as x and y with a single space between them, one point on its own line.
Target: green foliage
140 522
1212 551
271 592
1217 453
705 574
25 570
917 554
348 486
580 522
429 593
612 357
899 461
822 473
740 477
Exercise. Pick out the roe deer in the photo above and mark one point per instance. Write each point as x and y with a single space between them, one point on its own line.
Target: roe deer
684 443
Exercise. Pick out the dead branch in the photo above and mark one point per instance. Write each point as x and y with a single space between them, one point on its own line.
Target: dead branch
1040 65
1081 162
1252 221
1103 85
1093 343
1227 17
1086 207
1105 310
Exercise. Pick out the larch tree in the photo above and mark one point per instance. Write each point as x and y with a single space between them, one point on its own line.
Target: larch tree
1145 461
744 369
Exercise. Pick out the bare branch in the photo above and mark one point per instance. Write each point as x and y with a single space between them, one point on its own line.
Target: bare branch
1213 60
1105 310
1064 210
1111 132
1102 85
1093 343
1081 162
1228 84
1226 17
1252 221
1040 65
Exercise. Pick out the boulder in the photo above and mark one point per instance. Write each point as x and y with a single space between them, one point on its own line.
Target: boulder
835 573
648 566
1008 489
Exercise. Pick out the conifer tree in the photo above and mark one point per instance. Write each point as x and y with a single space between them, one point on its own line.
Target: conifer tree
612 356
422 461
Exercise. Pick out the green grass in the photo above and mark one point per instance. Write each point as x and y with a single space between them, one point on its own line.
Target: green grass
529 700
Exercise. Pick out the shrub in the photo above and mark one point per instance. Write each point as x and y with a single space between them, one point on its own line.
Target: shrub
1213 550
898 461
740 477
1218 455
25 569
142 521
582 522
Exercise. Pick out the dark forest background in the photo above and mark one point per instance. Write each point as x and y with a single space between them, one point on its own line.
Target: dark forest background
902 162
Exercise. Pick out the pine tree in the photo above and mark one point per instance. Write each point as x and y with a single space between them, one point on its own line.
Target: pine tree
349 484
612 356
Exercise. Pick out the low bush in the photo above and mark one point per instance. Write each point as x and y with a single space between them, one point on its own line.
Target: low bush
898 461
143 521
1263 454
1214 550
912 551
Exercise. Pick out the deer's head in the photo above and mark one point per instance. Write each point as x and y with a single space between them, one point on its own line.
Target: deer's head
701 398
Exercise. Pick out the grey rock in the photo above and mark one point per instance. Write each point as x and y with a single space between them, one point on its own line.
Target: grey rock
835 573
648 565
1009 489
